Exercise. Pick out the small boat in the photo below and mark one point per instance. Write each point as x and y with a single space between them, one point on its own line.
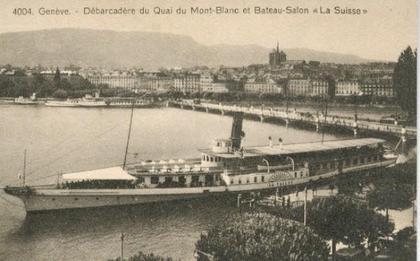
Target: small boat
28 101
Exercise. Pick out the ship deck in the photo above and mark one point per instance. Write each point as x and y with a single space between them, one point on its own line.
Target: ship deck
298 148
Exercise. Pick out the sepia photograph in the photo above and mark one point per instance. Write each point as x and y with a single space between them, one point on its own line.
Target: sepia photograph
134 130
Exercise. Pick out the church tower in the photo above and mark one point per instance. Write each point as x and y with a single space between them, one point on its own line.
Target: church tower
276 57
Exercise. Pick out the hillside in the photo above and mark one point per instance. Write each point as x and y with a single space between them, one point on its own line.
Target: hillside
150 50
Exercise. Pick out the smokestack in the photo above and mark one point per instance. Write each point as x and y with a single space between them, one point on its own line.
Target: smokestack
237 133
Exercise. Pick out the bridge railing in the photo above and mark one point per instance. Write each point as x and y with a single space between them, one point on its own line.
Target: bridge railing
331 120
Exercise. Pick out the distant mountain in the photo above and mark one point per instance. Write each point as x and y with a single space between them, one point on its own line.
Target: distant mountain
150 50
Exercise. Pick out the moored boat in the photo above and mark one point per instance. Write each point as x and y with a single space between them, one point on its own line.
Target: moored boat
225 168
66 103
27 101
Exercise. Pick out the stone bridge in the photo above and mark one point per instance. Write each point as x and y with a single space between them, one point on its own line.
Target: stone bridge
306 118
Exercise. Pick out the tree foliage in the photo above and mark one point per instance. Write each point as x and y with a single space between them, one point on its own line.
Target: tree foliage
403 247
390 194
140 256
405 81
261 236
60 94
347 220
44 86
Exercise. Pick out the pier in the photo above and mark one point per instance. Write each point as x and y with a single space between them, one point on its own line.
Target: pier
305 119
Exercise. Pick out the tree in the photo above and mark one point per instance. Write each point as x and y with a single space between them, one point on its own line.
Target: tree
346 220
261 236
60 94
403 247
331 86
57 79
405 81
140 256
42 86
389 194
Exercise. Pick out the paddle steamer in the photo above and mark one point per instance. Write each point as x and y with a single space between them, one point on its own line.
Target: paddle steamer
225 168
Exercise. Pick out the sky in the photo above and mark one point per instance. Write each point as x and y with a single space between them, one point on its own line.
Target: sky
382 33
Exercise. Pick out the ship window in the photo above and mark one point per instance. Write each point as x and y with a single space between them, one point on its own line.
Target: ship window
255 180
53 199
97 198
355 161
231 181
362 160
76 199
154 180
211 159
262 178
247 180
368 159
239 181
207 158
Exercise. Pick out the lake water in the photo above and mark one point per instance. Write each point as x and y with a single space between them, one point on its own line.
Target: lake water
60 140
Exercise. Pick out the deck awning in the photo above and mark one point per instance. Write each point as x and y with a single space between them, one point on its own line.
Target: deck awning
297 148
114 173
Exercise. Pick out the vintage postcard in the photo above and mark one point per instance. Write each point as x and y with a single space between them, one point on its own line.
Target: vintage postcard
208 130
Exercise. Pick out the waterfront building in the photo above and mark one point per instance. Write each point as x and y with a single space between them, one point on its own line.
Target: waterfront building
276 57
206 82
299 87
269 86
380 87
156 82
64 74
217 87
347 88
319 87
187 82
129 82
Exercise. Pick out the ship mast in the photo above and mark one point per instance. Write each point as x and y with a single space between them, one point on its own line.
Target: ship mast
129 134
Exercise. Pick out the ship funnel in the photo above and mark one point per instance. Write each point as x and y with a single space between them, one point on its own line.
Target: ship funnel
237 133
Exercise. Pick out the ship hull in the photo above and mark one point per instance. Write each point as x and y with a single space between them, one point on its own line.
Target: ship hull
40 200
42 203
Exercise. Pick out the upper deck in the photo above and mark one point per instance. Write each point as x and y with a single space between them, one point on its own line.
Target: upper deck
296 148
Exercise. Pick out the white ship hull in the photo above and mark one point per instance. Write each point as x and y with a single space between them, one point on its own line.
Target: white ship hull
55 199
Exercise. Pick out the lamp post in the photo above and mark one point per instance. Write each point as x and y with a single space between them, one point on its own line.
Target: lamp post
268 165
293 162
122 246
304 206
